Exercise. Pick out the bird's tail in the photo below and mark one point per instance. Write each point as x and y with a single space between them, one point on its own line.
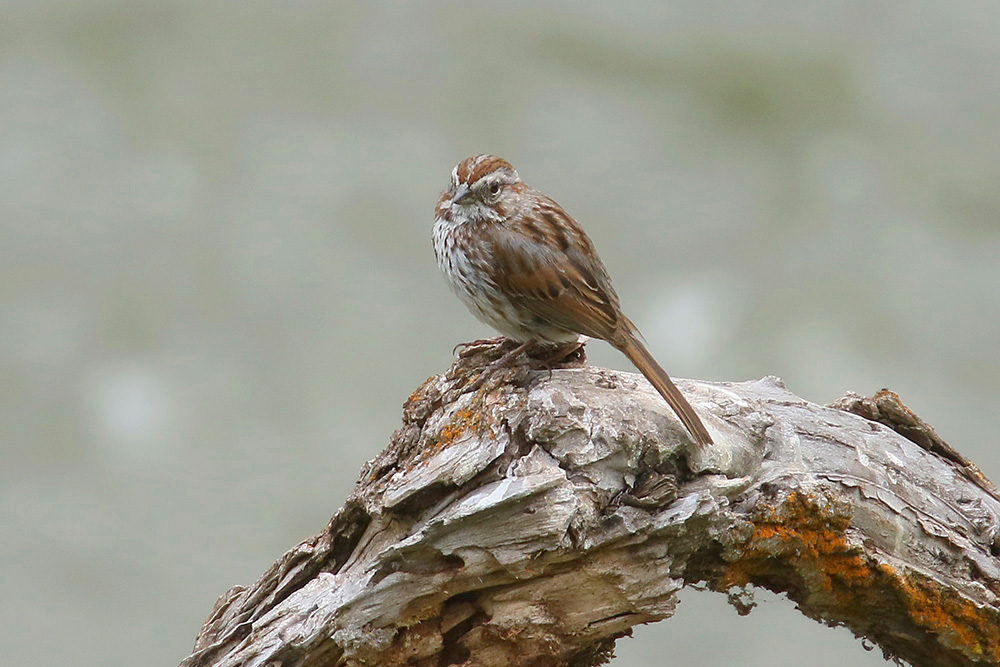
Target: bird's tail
637 353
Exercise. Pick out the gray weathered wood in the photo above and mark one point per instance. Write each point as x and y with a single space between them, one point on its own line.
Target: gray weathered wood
536 518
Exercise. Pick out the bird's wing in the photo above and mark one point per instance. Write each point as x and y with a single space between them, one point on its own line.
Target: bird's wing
562 282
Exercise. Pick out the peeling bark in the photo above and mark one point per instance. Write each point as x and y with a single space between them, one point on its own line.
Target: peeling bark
536 518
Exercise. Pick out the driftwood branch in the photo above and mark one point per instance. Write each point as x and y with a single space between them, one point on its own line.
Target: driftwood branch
537 518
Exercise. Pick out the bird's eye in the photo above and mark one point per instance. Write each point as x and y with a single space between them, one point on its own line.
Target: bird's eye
494 187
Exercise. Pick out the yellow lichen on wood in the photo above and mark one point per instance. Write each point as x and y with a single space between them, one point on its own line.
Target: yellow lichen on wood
801 545
807 535
461 422
960 624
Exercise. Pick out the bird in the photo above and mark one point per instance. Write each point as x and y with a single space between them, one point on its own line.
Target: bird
525 267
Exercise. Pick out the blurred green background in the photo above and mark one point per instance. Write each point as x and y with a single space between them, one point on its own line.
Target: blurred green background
217 286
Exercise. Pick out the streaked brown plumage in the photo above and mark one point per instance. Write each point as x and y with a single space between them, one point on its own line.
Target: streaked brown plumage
525 267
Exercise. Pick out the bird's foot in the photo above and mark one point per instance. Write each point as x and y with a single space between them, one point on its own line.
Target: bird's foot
474 346
566 354
507 359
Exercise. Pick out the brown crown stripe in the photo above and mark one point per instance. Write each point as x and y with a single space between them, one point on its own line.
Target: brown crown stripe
474 168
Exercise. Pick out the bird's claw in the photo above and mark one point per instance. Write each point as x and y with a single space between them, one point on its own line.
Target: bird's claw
473 345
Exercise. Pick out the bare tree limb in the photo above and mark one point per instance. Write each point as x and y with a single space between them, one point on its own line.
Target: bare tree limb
536 519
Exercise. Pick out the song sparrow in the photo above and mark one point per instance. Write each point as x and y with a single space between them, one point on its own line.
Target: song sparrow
525 267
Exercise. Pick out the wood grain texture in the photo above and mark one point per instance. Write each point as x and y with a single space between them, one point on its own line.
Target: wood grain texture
538 518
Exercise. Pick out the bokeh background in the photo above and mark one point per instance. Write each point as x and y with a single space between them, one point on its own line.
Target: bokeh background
217 286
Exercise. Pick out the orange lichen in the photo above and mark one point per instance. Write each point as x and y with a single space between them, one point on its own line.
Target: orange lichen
958 622
460 423
807 534
421 391
802 545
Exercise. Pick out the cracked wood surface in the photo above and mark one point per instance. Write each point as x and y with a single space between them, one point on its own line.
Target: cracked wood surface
535 520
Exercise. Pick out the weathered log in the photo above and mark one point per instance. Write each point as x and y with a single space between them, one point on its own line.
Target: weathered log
534 517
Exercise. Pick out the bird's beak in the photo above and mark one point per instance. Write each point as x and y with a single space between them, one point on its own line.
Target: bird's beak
460 193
